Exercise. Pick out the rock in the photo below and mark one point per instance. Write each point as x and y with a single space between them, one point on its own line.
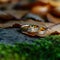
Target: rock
11 36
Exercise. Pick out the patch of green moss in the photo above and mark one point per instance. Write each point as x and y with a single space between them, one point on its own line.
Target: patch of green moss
47 48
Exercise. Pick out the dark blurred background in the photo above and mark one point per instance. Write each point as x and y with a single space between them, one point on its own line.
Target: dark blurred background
9 4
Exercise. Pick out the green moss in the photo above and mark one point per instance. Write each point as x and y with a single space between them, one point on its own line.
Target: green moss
47 48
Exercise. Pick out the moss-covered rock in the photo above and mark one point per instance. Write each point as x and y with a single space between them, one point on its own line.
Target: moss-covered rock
47 48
